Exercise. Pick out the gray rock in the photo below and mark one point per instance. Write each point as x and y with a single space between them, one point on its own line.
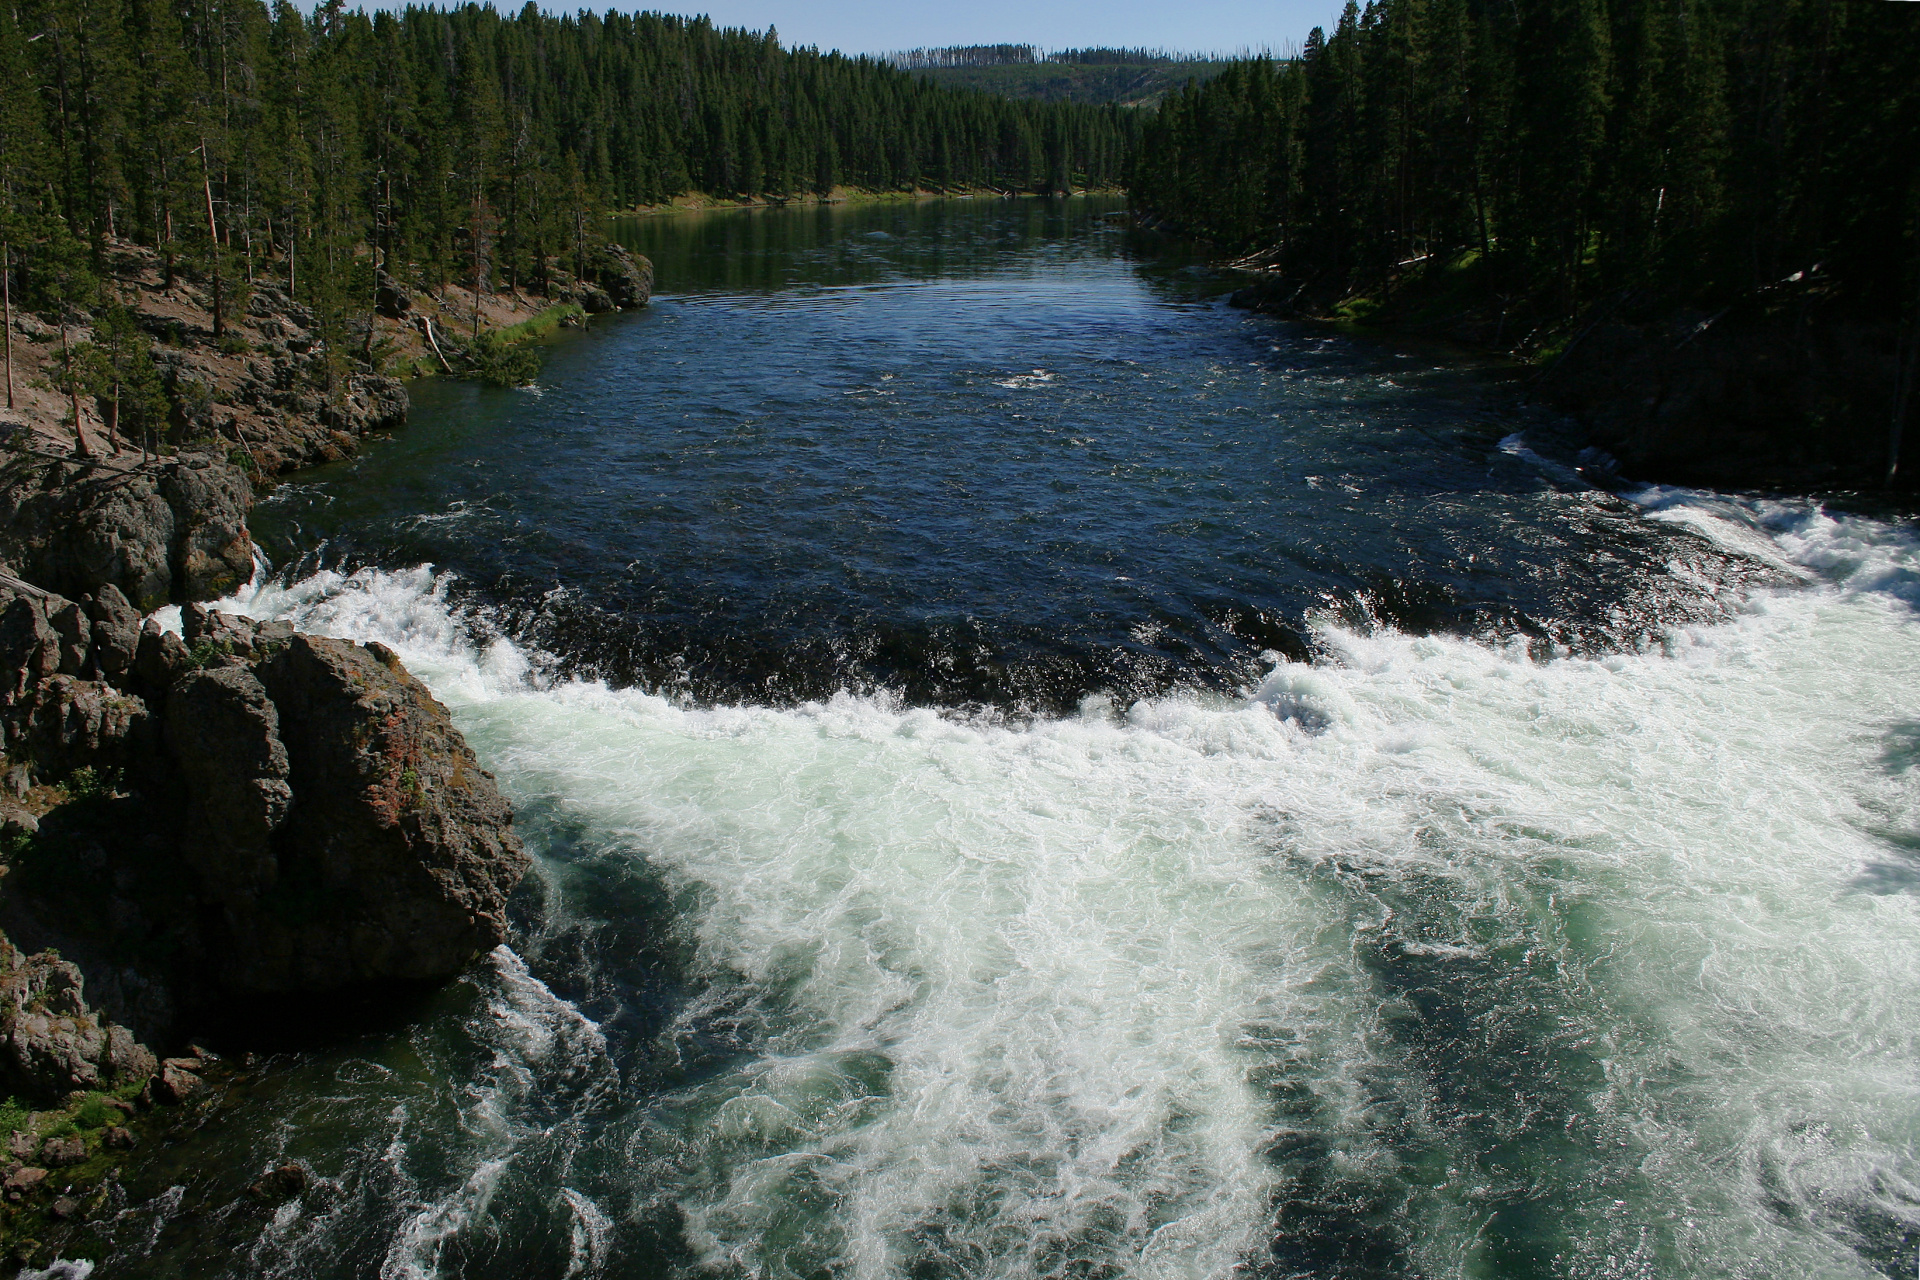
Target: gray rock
64 723
161 658
397 855
51 1043
390 298
375 402
168 530
29 646
23 1180
69 621
626 278
176 1081
16 820
225 733
211 550
127 1058
116 632
61 1153
219 638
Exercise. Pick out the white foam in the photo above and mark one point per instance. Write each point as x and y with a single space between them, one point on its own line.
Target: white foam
1011 989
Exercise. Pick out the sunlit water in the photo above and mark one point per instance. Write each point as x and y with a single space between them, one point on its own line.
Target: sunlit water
1556 918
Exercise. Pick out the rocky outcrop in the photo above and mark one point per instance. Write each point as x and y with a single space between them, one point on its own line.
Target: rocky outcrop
615 279
396 855
64 724
327 825
50 1041
627 277
160 532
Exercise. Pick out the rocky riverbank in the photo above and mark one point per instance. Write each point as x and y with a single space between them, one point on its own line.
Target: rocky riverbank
273 389
1783 390
230 831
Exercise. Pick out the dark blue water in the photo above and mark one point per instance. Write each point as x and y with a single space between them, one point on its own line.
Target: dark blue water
1001 452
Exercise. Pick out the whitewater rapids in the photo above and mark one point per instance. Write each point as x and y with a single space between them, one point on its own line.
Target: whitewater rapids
1427 958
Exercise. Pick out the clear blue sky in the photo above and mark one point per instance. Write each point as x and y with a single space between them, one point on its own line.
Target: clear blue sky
878 26
881 26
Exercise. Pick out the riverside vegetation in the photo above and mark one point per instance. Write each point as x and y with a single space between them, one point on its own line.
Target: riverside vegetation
1698 216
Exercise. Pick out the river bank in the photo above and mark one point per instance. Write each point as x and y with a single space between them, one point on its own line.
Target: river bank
1785 390
700 201
208 819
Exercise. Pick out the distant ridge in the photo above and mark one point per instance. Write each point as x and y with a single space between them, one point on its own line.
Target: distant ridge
1129 77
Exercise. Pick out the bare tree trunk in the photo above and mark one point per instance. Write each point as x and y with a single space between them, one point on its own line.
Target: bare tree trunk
213 238
426 325
81 446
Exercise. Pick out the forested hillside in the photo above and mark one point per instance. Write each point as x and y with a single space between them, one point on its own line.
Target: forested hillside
449 144
1131 77
1700 215
1698 148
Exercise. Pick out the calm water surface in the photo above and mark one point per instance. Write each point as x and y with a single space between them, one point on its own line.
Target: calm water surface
1033 773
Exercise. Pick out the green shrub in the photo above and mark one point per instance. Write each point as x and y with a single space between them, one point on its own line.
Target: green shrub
88 783
94 1113
504 364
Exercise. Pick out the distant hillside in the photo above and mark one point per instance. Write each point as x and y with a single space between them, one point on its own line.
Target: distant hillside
1130 77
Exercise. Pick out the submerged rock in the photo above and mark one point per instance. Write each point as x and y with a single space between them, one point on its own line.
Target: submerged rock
278 1185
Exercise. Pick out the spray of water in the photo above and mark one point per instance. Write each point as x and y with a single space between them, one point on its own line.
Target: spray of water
1426 959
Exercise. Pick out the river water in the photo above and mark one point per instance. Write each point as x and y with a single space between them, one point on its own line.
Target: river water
1033 773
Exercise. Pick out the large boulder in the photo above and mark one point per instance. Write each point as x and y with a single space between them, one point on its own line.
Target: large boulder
389 854
225 733
391 298
625 277
29 646
168 530
375 402
211 551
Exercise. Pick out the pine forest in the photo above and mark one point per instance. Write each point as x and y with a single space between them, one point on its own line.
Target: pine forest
450 144
1575 156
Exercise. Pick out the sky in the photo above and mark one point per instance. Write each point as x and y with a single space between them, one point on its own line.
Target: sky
883 26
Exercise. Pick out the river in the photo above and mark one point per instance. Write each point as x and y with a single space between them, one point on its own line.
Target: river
1033 773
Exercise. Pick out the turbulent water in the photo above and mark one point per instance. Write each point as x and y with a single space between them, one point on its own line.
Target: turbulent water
1139 791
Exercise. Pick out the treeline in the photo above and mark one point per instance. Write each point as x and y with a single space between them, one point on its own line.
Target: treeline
969 55
449 145
1579 151
1026 55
